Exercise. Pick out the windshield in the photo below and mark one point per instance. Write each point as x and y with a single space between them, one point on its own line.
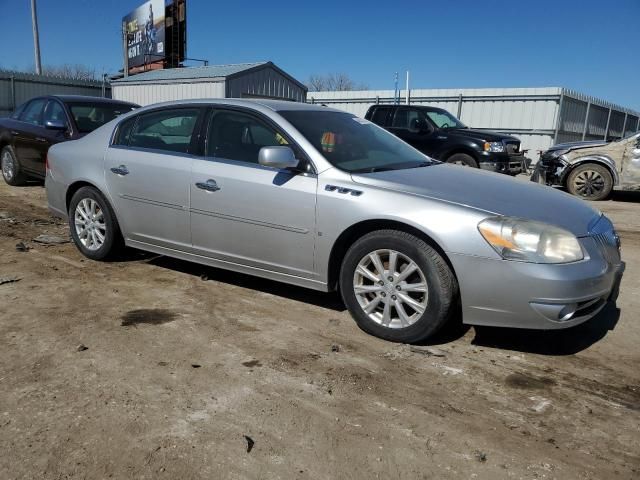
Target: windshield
353 144
444 119
90 116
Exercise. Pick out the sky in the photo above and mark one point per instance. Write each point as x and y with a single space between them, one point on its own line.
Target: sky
586 45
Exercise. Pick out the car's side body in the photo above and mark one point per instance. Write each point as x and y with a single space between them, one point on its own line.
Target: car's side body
42 122
295 226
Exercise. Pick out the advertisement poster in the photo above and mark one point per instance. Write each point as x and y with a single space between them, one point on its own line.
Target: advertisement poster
145 33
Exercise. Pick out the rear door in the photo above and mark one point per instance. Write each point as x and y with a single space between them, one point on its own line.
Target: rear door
244 213
148 172
29 138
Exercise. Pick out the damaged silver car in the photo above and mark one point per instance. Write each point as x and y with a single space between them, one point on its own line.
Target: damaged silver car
591 169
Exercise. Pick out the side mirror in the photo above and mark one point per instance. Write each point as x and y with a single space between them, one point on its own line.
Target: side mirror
55 125
277 157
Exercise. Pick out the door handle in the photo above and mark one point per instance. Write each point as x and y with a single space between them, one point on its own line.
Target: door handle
121 170
210 185
14 133
41 139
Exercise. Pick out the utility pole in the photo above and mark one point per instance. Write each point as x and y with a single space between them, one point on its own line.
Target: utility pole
125 55
407 92
36 38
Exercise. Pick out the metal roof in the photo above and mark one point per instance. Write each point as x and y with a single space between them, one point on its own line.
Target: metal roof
192 73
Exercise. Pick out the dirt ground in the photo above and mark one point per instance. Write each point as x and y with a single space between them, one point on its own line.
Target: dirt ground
151 368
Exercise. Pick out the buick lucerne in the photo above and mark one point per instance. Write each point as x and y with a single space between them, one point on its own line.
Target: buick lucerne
323 199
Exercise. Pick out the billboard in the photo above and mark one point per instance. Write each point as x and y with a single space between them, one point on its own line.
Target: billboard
145 33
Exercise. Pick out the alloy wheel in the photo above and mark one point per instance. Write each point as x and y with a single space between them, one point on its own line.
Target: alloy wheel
391 288
90 224
8 169
589 183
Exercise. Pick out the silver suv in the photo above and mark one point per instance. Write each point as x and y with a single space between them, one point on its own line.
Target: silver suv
320 198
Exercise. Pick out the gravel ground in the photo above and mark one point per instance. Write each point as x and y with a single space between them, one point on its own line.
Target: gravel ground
149 367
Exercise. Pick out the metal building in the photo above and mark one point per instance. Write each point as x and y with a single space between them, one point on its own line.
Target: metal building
18 87
539 117
244 80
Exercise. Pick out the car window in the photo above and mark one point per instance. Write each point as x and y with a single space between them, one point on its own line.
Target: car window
237 136
54 112
169 130
379 116
405 118
123 134
352 143
16 114
444 119
33 112
89 116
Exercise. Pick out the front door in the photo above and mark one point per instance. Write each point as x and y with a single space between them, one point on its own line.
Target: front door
411 125
29 140
244 213
148 171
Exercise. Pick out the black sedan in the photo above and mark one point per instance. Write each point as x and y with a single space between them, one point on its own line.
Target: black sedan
25 137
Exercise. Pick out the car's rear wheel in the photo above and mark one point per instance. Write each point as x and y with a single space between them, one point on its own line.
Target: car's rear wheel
11 171
590 181
93 224
396 286
462 159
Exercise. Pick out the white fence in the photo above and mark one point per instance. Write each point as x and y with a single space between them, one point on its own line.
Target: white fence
539 117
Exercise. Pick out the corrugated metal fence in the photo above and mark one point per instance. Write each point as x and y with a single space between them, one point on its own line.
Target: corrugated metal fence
539 117
18 87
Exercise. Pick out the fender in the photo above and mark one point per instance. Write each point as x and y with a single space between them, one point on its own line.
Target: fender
603 160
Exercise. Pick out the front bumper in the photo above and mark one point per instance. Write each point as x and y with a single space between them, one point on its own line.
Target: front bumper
503 163
537 296
549 171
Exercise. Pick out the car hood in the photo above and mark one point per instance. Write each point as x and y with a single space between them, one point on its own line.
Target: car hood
577 145
491 192
485 135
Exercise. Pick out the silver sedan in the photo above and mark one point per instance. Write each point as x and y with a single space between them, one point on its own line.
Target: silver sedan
322 199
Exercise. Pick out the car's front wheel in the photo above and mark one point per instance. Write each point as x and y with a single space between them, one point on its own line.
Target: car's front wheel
590 181
11 171
93 224
396 286
463 159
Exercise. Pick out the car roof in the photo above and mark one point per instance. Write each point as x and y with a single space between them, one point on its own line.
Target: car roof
87 98
255 103
421 107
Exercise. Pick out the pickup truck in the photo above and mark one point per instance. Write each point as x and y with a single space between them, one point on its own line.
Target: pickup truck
25 136
440 135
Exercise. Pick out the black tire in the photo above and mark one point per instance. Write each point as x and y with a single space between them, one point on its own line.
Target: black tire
12 175
113 241
442 286
463 159
590 181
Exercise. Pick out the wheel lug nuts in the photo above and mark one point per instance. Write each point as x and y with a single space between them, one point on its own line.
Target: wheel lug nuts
398 287
390 279
393 297
383 294
380 283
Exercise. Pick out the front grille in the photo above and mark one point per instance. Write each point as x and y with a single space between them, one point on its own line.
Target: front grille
607 240
513 148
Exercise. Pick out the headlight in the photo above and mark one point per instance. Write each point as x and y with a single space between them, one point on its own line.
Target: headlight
529 241
493 147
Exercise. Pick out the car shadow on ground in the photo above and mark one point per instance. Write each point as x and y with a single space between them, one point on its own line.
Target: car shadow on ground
545 342
329 300
628 196
550 342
